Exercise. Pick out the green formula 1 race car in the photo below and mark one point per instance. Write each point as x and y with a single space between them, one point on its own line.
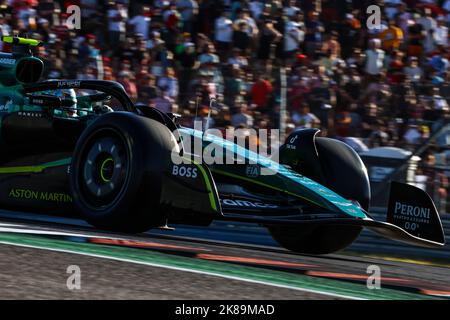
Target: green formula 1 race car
127 167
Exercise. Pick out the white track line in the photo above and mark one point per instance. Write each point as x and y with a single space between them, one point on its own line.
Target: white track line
319 292
12 225
54 233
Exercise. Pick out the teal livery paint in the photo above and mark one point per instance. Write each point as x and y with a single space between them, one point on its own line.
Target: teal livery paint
284 179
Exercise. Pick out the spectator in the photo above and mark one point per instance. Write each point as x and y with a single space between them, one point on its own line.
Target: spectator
26 13
171 16
238 59
267 42
413 135
234 84
188 10
379 137
261 92
117 16
162 102
141 22
209 56
291 9
439 61
256 8
437 183
241 38
438 101
395 72
313 36
293 37
392 37
349 35
169 84
332 45
224 34
5 28
243 117
244 19
392 8
374 58
446 8
147 88
441 32
128 83
412 71
416 36
403 18
73 64
429 25
304 118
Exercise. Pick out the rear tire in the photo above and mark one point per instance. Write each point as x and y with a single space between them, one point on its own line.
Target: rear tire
116 172
338 162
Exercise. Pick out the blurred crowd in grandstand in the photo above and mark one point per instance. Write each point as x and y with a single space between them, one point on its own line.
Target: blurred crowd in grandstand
387 86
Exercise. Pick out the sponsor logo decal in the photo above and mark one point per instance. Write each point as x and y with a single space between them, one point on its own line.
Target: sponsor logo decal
30 114
7 61
292 141
411 213
291 145
71 84
342 204
36 101
247 204
252 171
39 195
185 171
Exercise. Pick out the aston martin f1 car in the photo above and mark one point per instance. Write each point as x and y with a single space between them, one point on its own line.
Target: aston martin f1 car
98 155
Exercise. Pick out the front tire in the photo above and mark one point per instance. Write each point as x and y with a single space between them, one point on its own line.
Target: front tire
315 239
116 172
338 163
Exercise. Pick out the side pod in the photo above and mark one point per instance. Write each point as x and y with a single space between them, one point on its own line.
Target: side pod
189 187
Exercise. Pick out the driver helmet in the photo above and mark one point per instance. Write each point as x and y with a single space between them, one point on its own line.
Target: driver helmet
66 94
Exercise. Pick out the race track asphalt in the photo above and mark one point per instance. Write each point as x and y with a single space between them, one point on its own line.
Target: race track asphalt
35 252
39 274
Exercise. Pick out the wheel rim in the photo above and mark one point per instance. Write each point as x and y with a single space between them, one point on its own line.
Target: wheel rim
104 171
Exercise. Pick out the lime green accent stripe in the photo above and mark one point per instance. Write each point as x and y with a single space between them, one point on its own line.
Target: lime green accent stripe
36 169
263 275
266 185
30 42
28 169
212 199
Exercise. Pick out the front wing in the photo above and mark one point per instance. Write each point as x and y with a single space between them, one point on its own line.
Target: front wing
411 218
